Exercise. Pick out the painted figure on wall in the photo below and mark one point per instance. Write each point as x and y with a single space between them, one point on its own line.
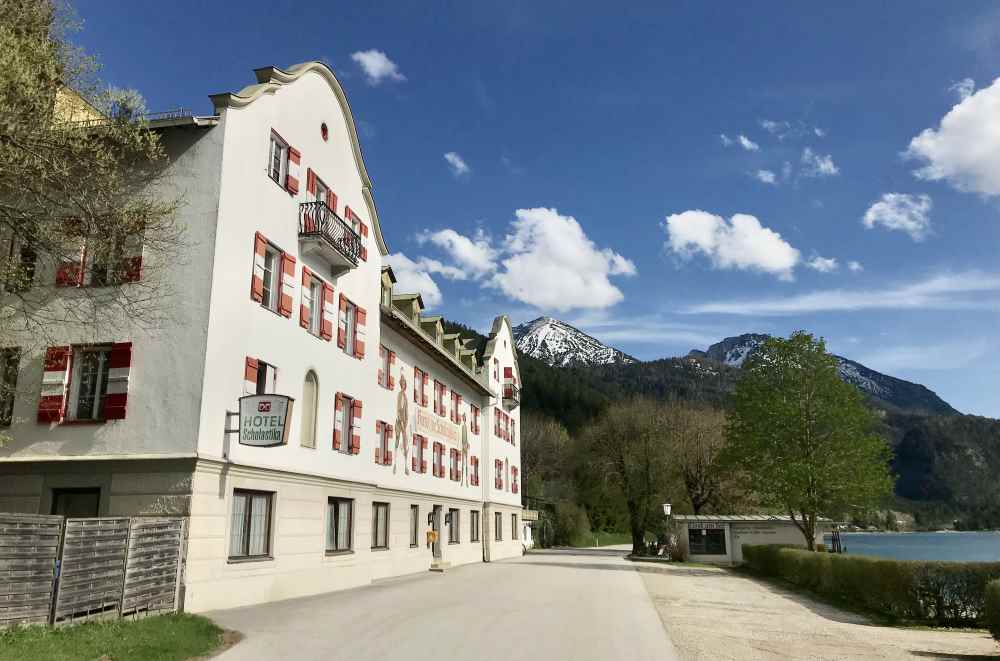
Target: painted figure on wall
465 452
402 417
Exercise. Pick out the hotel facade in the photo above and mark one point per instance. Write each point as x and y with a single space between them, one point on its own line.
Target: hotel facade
397 431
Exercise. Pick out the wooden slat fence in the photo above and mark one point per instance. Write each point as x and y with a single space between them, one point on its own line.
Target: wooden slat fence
29 546
92 569
152 569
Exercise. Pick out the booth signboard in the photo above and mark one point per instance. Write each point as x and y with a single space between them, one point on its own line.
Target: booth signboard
706 525
265 419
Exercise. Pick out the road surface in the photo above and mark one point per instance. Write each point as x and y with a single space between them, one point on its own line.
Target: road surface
579 605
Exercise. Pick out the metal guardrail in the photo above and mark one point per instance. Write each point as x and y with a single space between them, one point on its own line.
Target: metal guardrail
318 221
511 394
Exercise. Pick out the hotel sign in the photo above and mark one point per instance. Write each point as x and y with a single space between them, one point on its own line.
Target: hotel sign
265 419
437 427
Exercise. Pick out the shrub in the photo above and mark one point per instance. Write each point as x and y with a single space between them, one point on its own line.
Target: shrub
953 593
571 525
993 608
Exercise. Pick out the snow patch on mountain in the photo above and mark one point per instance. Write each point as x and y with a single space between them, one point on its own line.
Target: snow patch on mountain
558 344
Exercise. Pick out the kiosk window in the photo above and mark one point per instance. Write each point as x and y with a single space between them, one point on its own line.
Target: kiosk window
707 541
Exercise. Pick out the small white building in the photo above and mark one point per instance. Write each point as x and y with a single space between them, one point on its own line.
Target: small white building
719 538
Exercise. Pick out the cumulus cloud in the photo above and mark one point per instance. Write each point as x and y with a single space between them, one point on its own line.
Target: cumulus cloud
414 277
459 167
903 212
823 264
741 243
474 255
817 165
766 176
550 263
725 139
855 266
747 143
546 260
963 89
377 66
964 150
950 291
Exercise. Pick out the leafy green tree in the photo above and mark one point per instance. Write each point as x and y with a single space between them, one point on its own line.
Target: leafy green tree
624 450
802 438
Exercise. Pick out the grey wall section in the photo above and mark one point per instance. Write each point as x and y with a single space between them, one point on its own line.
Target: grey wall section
155 487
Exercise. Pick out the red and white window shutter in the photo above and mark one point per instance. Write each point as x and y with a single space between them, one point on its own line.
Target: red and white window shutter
52 401
305 309
356 426
360 323
250 376
383 359
119 366
383 434
392 370
342 322
257 280
338 421
287 284
329 313
292 178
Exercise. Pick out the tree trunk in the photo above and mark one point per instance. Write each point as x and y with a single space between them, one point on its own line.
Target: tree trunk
637 528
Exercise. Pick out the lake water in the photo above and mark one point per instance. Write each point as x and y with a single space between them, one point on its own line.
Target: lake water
957 546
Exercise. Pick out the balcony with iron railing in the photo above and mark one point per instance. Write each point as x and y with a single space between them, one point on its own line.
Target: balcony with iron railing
323 232
511 395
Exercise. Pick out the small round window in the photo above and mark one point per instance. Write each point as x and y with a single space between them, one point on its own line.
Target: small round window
323 131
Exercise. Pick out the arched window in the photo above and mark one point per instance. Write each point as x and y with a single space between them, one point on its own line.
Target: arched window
310 400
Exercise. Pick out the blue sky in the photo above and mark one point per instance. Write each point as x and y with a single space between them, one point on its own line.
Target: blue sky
661 175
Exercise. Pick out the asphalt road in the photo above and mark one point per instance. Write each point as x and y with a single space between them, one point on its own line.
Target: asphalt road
577 605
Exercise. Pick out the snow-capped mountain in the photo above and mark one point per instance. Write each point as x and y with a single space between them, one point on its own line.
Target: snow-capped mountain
558 344
906 395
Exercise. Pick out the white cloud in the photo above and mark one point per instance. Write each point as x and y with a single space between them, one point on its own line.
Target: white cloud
776 128
766 176
819 133
782 129
823 264
951 355
817 165
550 263
786 170
459 167
901 211
855 266
414 277
943 292
742 243
377 66
726 140
475 255
747 143
963 89
965 148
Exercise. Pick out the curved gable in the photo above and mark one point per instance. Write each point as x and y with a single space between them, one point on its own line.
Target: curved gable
270 80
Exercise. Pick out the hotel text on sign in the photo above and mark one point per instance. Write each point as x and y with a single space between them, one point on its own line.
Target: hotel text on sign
264 420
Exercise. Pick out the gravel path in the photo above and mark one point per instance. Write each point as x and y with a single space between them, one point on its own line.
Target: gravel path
716 614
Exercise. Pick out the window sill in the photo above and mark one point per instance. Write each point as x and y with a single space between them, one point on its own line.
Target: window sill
380 548
335 554
275 311
414 546
77 423
243 561
454 543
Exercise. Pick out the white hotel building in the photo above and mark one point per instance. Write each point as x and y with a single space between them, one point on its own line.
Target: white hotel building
397 427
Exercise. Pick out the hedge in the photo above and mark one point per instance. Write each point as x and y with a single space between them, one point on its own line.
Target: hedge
943 593
993 608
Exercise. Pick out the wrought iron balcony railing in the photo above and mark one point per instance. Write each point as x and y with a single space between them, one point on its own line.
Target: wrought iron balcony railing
336 239
511 395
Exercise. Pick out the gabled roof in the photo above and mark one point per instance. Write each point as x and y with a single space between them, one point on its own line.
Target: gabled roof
270 80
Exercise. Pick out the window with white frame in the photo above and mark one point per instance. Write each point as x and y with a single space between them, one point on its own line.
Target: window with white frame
250 525
339 522
418 452
350 326
474 526
414 525
315 306
383 367
384 442
272 278
454 527
277 162
439 389
497 526
267 376
321 191
380 525
346 423
88 382
513 526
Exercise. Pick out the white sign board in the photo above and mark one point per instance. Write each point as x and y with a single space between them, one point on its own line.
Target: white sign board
265 419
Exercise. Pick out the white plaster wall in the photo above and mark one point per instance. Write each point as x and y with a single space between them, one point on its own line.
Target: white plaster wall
165 379
300 565
504 351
